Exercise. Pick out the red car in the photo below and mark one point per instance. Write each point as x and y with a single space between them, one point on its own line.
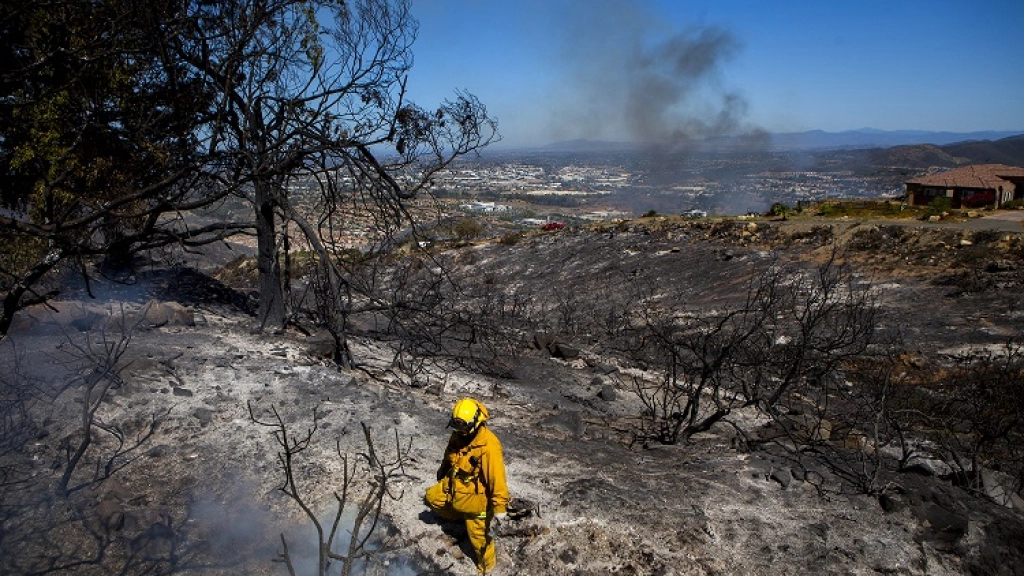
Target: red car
553 226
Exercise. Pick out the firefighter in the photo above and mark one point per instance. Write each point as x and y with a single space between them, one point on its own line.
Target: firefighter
471 480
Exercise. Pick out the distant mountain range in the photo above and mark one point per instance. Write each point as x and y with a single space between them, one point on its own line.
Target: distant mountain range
1003 151
809 140
870 138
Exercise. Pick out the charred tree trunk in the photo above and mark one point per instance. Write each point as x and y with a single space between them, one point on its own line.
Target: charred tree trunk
271 311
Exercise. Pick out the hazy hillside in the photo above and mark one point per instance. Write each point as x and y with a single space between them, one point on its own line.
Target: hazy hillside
861 150
870 138
1006 151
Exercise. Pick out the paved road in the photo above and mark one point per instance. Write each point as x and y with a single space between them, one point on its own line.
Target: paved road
1003 220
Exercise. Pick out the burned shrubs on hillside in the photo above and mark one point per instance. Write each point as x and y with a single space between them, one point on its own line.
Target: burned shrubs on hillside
808 349
790 337
972 415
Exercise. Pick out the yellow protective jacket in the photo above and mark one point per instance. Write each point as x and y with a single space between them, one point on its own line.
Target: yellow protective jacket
476 471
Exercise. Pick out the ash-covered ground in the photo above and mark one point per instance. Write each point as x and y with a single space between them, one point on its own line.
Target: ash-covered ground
199 495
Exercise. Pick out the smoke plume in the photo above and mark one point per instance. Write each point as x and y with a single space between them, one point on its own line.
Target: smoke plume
629 77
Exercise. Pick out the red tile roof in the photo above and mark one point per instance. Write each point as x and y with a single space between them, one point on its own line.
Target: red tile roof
976 176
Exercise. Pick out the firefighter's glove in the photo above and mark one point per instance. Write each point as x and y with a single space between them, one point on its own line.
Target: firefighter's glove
499 523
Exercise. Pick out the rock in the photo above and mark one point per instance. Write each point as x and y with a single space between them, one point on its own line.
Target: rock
179 315
782 476
608 393
814 427
22 322
70 314
154 522
155 314
927 467
566 352
203 415
859 441
158 314
1000 266
543 341
999 488
110 514
891 503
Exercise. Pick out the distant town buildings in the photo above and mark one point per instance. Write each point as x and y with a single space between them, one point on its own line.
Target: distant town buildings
535 191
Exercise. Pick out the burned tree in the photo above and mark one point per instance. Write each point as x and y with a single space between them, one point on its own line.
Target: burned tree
367 482
312 96
66 449
96 361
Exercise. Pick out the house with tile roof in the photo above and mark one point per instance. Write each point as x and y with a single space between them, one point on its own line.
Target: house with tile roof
975 186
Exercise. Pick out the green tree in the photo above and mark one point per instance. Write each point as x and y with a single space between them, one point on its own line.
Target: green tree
101 139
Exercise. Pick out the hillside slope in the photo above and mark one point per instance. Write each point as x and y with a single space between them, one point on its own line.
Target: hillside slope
202 496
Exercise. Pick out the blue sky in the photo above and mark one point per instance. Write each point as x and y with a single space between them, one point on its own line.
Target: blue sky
553 70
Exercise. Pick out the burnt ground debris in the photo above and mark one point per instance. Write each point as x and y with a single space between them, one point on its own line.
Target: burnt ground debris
199 495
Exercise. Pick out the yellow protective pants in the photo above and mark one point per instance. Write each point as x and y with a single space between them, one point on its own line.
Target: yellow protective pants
477 525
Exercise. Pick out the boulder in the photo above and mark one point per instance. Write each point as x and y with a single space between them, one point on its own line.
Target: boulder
66 314
543 341
998 486
927 466
783 476
179 315
608 393
157 314
566 352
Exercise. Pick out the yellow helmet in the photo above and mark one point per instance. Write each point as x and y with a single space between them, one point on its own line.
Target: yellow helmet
467 415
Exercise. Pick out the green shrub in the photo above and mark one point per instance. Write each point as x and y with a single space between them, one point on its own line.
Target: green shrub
510 239
467 229
939 206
